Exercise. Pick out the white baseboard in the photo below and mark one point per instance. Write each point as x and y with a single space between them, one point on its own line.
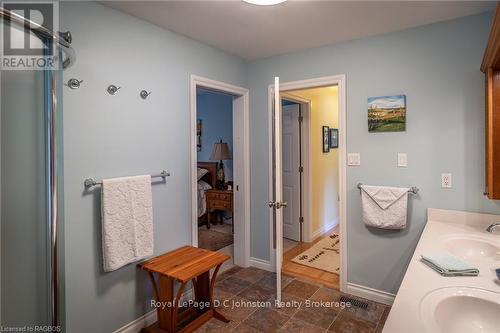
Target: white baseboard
138 324
261 263
370 293
148 319
325 228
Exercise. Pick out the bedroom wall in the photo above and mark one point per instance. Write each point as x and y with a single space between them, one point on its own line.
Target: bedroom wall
437 67
215 109
109 136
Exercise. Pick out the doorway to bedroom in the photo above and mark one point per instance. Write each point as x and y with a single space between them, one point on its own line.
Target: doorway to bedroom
214 146
220 170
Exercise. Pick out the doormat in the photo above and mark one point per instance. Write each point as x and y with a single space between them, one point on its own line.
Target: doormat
324 255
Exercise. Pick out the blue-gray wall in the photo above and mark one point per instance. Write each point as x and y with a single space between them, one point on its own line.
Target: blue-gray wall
437 67
215 110
109 136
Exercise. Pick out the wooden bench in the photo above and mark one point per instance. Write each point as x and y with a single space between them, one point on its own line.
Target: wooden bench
183 265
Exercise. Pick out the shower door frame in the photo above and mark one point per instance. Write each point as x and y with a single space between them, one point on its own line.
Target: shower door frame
51 155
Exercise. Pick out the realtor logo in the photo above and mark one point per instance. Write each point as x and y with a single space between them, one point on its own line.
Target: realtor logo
23 47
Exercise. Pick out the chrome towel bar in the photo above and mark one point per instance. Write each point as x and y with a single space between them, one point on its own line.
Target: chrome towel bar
90 182
412 189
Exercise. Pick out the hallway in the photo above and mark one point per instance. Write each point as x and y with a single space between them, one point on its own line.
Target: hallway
310 274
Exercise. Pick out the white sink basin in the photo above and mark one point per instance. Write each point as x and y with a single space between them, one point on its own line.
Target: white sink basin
471 247
461 309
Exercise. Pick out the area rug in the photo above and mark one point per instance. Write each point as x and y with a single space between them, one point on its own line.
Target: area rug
323 255
213 240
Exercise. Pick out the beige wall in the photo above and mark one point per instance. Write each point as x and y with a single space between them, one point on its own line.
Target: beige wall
324 166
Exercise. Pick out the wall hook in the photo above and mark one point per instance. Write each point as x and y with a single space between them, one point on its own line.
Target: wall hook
144 94
112 89
74 83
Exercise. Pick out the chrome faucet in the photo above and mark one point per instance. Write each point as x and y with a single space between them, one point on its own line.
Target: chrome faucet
492 227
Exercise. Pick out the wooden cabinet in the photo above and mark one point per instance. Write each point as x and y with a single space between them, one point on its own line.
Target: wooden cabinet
221 200
491 68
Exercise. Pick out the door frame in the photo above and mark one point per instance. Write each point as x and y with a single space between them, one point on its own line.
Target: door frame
340 81
306 162
241 254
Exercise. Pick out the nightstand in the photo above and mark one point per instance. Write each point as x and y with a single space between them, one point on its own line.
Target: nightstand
221 200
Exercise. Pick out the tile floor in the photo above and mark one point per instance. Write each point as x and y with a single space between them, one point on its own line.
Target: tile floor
310 306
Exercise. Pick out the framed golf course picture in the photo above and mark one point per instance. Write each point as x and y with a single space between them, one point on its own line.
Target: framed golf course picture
387 113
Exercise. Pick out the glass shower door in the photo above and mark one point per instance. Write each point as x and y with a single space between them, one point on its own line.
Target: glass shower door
25 101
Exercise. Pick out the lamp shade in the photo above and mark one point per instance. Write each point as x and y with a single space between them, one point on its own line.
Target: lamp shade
221 152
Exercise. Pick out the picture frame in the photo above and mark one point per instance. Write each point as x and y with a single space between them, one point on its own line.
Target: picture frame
334 137
199 127
326 139
387 114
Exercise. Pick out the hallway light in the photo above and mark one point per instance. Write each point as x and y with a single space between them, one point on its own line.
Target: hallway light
264 2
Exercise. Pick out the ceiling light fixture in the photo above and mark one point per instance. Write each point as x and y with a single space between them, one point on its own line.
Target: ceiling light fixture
264 2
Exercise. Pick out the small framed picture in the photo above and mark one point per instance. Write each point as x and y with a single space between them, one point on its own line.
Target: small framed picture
326 139
334 137
199 126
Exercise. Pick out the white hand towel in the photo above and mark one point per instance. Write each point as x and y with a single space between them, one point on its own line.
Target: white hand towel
127 220
384 207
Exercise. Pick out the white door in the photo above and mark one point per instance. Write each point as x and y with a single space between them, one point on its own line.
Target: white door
276 203
239 181
291 164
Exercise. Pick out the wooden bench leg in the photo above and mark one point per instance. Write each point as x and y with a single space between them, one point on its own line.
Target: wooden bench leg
176 305
217 314
165 293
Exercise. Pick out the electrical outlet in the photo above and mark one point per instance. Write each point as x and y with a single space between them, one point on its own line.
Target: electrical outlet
446 181
402 160
354 159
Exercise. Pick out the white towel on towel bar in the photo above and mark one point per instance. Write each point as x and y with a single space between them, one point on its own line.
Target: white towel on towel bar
127 220
384 207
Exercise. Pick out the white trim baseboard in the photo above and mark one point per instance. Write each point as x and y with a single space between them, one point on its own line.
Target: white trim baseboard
370 293
135 326
148 319
325 228
261 263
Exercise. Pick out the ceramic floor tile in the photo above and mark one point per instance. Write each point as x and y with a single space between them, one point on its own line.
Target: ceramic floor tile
299 326
257 293
317 316
251 274
300 289
266 320
269 281
372 313
289 304
227 273
244 328
233 285
237 309
347 324
215 325
326 295
382 320
220 296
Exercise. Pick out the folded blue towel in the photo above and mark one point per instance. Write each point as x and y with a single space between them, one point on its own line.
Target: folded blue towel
448 265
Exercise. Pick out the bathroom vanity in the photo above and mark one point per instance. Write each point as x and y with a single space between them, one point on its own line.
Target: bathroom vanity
429 302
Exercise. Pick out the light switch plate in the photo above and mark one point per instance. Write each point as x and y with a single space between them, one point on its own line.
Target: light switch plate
402 160
446 180
354 159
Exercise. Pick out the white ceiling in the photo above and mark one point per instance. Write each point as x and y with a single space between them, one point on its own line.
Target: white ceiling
253 32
